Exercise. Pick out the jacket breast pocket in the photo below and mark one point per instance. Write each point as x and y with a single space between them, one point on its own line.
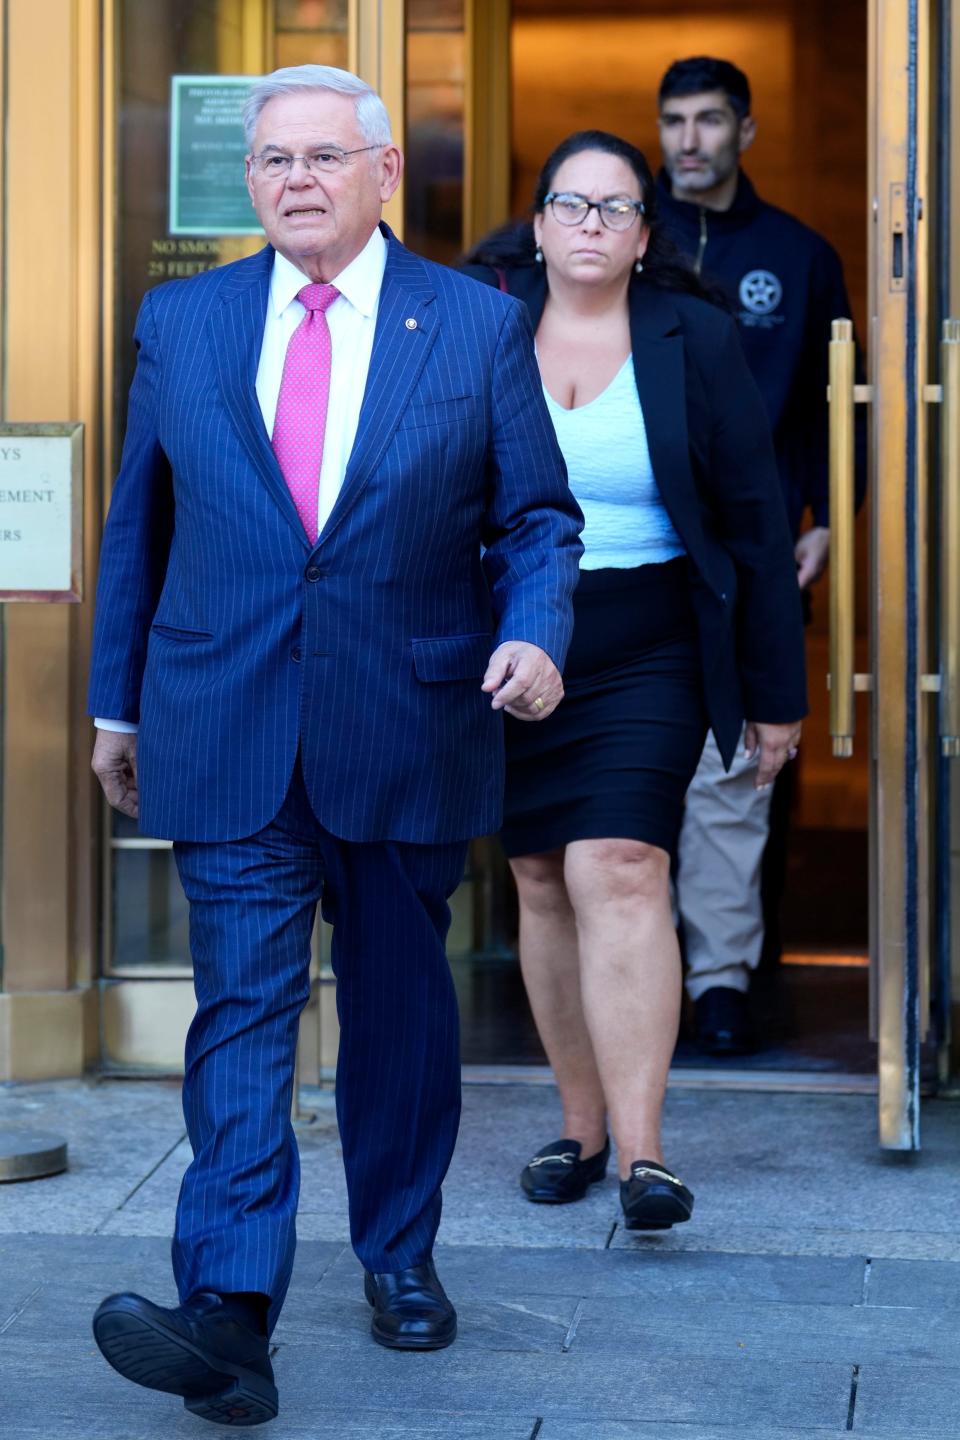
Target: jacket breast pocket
439 412
451 657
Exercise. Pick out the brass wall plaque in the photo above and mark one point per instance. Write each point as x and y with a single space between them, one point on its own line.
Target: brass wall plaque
41 511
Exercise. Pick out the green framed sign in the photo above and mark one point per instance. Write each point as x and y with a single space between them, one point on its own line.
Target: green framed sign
208 195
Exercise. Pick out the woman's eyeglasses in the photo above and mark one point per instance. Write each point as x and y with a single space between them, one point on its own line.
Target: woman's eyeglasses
617 213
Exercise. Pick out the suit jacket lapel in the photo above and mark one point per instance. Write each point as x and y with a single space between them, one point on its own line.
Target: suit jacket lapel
658 362
407 324
236 327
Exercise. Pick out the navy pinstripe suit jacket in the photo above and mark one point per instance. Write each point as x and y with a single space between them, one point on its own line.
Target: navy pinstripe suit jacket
232 640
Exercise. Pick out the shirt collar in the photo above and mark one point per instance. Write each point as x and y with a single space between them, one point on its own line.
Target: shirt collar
359 282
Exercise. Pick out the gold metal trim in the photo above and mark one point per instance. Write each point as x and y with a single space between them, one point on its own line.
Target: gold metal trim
377 52
840 397
52 101
486 180
950 539
900 862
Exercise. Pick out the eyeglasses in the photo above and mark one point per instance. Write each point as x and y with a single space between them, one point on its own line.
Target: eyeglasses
325 160
572 209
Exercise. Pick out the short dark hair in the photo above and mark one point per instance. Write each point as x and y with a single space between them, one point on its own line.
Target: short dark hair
701 73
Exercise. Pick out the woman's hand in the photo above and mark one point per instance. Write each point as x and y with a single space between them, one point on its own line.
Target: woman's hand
776 743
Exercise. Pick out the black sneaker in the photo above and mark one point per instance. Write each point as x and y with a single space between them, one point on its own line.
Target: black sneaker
199 1350
653 1199
556 1174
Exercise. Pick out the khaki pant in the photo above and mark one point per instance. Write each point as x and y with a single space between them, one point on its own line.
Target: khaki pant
722 839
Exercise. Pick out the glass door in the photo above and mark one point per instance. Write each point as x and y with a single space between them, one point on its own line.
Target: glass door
168 66
180 67
910 687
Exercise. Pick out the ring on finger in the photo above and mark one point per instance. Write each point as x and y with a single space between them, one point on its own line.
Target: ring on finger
539 704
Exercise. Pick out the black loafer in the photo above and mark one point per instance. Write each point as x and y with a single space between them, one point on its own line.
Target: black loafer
410 1309
198 1350
723 1022
653 1199
556 1174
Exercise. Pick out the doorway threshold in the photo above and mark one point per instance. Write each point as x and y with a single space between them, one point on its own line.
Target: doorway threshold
794 1082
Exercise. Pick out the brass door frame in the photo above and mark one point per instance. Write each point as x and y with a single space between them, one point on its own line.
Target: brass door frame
377 31
51 317
487 118
901 728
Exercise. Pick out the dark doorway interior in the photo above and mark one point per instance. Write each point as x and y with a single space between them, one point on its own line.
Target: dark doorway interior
577 65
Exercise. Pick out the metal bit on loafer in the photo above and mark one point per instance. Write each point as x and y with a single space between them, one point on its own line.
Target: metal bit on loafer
556 1175
653 1199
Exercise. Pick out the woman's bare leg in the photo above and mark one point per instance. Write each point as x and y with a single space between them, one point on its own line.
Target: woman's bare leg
550 964
630 981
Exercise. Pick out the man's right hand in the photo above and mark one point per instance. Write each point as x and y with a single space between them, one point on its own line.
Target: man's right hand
812 551
115 765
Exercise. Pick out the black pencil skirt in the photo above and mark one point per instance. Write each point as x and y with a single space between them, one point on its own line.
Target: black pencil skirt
615 758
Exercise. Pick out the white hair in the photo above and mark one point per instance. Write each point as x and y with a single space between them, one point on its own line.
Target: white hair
372 118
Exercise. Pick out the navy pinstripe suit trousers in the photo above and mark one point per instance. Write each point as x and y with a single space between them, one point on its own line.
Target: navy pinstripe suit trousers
252 908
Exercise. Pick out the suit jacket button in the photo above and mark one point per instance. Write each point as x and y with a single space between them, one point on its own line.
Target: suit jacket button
295 654
313 573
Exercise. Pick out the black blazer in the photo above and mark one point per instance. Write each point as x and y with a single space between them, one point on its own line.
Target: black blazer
713 459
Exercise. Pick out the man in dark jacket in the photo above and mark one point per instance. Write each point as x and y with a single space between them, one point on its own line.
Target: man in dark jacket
785 285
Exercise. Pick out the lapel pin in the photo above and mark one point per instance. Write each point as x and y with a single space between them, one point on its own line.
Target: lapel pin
411 324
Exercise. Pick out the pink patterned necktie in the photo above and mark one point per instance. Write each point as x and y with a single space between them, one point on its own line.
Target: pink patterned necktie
302 404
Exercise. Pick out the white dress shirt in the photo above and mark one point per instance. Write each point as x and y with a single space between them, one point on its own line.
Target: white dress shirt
352 319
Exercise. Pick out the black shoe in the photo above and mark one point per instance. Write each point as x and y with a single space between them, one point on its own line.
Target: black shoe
410 1309
723 1022
198 1350
653 1199
556 1174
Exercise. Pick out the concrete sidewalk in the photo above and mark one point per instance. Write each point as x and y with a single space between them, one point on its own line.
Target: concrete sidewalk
814 1293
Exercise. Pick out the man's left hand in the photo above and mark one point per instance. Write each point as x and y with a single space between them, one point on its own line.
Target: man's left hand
776 743
523 680
811 552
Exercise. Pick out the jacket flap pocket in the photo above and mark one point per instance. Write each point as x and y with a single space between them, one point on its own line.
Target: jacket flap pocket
452 657
179 632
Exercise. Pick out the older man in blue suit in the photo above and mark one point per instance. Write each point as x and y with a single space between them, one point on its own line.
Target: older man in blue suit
340 542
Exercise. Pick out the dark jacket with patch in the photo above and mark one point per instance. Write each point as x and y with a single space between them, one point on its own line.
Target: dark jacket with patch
785 285
714 464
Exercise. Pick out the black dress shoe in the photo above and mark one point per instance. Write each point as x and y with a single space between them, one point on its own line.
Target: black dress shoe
723 1022
198 1350
653 1199
410 1309
556 1174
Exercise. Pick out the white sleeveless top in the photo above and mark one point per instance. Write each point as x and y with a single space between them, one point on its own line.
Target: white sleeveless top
608 465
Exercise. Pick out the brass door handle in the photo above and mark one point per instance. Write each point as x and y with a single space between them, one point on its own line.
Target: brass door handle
842 396
950 538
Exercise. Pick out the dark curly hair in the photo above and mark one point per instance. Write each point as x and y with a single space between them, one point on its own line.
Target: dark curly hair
663 266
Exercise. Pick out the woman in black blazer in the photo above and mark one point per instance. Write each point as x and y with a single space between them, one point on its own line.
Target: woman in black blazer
687 616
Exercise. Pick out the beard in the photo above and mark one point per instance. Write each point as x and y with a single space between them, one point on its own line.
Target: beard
713 172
